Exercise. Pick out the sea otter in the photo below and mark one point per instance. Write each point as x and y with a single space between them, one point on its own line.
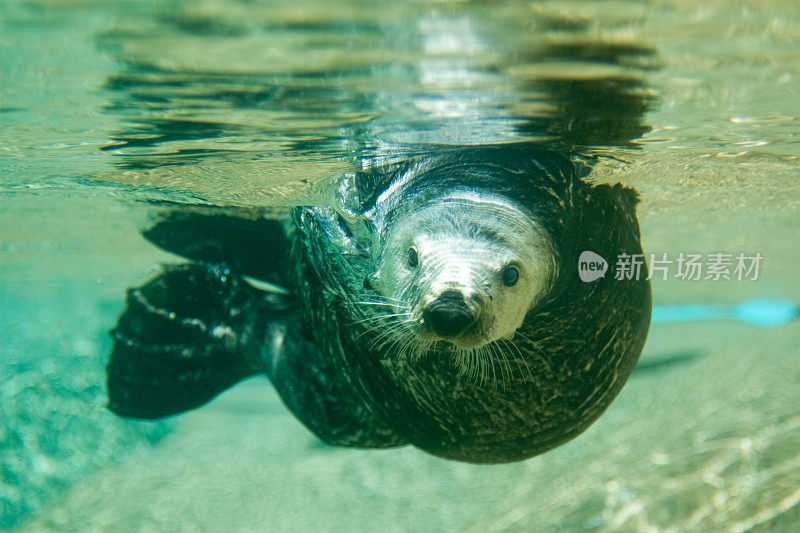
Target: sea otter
436 301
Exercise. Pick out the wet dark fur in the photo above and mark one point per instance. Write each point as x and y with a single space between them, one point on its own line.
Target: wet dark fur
570 358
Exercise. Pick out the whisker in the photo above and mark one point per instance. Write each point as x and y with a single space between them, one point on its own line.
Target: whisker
461 363
541 354
507 358
518 332
466 363
383 333
384 336
399 304
477 366
487 364
521 361
484 365
409 341
492 357
417 348
478 373
502 361
396 344
505 370
394 334
494 373
379 317
411 350
385 304
377 295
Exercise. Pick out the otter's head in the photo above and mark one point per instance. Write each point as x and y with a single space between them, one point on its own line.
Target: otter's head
464 270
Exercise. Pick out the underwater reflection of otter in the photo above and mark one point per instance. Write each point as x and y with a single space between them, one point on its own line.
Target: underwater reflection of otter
436 303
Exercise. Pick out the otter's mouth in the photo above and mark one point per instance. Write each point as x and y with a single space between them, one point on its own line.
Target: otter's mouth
471 338
464 344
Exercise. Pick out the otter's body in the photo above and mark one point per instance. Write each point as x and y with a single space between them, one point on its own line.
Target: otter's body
435 302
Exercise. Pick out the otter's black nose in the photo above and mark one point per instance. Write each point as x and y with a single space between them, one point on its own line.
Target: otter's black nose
448 315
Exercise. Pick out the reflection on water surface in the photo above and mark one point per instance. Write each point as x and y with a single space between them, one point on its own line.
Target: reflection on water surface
275 94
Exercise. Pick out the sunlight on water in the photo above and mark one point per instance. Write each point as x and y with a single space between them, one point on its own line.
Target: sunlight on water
111 110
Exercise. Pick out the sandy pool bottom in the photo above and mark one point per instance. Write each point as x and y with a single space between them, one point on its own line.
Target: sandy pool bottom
703 437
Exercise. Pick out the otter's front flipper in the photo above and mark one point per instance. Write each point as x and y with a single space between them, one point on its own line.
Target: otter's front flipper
242 239
183 338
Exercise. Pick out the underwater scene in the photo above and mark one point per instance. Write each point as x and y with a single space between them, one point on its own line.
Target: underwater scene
479 266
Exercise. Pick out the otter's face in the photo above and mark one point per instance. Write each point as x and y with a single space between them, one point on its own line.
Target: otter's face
465 270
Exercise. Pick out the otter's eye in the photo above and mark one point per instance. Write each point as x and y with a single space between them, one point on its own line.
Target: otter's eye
412 258
510 276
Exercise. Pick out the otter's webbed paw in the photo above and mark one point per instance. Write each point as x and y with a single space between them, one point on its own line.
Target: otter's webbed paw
183 339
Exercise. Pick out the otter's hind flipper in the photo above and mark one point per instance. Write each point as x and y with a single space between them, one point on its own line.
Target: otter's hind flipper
183 339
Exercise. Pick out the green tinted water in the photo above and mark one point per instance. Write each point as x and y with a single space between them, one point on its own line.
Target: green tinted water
107 107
